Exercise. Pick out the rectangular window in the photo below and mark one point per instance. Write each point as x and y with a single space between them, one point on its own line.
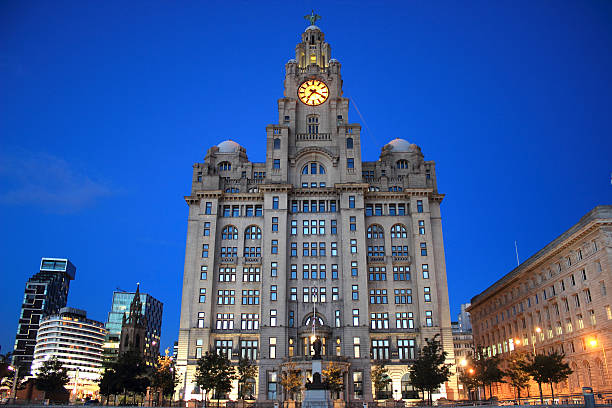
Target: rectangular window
423 246
379 321
306 271
380 349
427 294
401 209
275 224
351 201
225 321
406 349
252 274
421 227
419 206
356 347
377 273
334 227
337 318
205 251
249 321
404 320
403 296
353 223
272 349
208 209
258 210
226 297
592 317
250 297
291 322
293 227
334 249
306 295
276 164
378 296
354 268
334 269
353 246
204 272
202 295
293 249
274 247
428 318
355 317
273 293
200 320
228 275
401 273
275 203
355 292
357 380
392 210
323 295
206 232
293 294
272 385
425 268
293 271
273 317
350 163
199 344
335 295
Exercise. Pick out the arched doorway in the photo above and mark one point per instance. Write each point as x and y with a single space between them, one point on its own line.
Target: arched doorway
408 391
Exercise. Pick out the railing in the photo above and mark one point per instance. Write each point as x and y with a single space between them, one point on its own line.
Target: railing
228 259
312 136
252 260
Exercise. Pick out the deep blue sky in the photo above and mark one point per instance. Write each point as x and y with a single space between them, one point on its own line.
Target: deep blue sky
105 106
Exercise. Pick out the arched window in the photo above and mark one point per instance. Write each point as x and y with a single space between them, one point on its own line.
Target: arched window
308 322
371 188
395 188
399 231
232 190
349 142
277 143
387 391
224 166
229 232
252 232
253 190
375 231
402 164
408 391
313 168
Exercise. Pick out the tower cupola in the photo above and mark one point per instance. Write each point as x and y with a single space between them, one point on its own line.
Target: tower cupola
313 50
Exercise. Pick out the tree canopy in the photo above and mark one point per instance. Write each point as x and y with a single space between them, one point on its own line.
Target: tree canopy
215 372
332 378
429 370
548 368
517 371
246 371
52 378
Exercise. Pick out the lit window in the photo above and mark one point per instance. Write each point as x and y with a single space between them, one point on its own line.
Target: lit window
276 164
350 163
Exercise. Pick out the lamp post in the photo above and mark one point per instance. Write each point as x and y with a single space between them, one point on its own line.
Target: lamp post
593 343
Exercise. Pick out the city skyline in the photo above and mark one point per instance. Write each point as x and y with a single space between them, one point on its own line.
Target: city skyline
122 221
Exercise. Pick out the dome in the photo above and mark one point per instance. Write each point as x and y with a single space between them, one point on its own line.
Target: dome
228 146
333 60
312 27
292 61
402 145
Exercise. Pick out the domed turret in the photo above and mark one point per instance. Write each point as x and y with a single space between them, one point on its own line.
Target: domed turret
228 146
402 145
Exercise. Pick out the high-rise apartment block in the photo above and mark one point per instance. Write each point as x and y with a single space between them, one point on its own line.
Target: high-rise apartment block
76 342
557 300
151 309
314 240
45 293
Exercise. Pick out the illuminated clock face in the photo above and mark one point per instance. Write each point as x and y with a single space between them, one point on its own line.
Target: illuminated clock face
313 92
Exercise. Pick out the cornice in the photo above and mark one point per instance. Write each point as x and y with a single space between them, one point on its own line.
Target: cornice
351 186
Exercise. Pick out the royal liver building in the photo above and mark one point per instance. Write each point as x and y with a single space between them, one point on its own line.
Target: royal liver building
314 241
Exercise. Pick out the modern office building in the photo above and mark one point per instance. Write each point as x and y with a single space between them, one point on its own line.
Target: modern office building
76 342
463 319
557 300
152 310
314 240
45 293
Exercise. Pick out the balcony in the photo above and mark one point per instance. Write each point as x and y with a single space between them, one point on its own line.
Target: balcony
401 259
228 260
300 137
376 259
251 260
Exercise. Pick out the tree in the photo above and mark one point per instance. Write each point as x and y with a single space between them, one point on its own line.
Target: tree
246 371
488 372
380 376
215 372
429 371
469 381
548 369
291 380
129 373
332 378
163 378
52 378
517 372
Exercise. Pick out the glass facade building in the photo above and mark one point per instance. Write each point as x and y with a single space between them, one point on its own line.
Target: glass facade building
45 294
152 309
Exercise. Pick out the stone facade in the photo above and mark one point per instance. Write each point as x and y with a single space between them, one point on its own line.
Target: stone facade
556 300
314 236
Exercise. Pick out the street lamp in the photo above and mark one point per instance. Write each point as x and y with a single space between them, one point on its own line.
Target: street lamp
593 343
463 362
537 330
15 379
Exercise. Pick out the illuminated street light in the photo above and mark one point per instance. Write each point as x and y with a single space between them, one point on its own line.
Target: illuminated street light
463 362
593 343
471 371
538 330
517 342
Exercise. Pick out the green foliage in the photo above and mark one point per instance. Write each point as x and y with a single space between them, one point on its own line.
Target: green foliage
487 372
129 373
332 378
214 372
52 377
246 371
548 369
517 372
429 371
380 377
